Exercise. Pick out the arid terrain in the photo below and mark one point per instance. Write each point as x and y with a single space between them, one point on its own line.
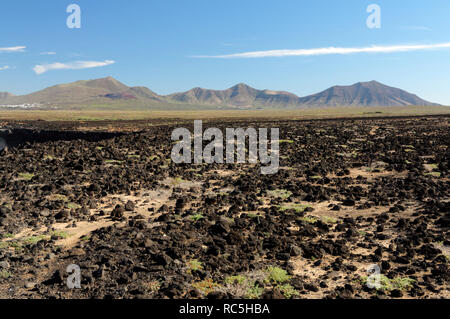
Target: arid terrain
109 93
105 195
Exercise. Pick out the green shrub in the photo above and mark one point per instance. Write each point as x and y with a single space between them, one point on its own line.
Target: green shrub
194 264
279 193
277 275
287 290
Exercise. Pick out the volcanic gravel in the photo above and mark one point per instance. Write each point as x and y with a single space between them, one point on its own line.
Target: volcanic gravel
350 194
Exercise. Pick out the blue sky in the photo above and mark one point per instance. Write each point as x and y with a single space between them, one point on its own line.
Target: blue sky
157 44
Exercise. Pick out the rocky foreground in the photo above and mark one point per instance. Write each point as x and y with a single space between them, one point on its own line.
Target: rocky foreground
351 195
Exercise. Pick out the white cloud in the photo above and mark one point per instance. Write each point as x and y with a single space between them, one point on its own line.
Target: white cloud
416 28
48 53
77 65
13 49
332 50
2 68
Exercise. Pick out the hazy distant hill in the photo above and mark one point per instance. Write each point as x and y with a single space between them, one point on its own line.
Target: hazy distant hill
87 92
5 95
363 94
109 91
241 96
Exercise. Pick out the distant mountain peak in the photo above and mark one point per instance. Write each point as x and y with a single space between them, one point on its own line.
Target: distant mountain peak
92 91
242 88
241 85
372 93
105 79
100 80
371 82
108 89
5 95
240 95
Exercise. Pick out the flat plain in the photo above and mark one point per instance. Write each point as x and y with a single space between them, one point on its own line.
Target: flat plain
82 115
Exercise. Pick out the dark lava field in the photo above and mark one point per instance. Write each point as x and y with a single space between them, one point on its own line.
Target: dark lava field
351 195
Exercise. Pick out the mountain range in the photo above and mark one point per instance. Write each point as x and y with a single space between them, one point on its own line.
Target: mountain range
110 92
5 95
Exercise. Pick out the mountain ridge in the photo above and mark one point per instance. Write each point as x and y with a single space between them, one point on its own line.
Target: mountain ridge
371 93
240 96
5 95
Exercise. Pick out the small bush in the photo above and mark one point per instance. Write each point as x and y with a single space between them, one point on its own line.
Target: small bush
387 284
403 283
243 286
298 208
277 275
254 292
287 290
34 239
206 286
113 162
197 217
61 234
26 176
58 198
279 193
154 286
308 219
286 141
194 264
434 174
238 279
329 220
73 206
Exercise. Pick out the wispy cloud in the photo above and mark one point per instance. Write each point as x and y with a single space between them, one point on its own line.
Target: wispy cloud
2 68
13 49
331 50
77 65
416 28
48 53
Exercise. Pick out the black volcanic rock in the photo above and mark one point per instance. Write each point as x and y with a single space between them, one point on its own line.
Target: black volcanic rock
226 232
